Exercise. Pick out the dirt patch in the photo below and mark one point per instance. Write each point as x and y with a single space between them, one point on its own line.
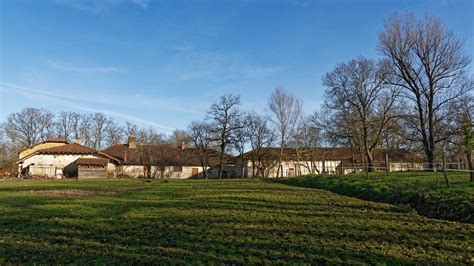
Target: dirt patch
72 192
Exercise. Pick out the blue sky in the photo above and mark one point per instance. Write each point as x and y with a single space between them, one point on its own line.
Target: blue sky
162 63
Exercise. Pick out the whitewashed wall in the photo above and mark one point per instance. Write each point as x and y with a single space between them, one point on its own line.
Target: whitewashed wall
136 171
57 161
297 168
331 167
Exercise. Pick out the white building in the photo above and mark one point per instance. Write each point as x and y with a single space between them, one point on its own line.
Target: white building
56 157
165 161
302 161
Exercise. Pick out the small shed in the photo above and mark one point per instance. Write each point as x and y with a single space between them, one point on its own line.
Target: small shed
92 168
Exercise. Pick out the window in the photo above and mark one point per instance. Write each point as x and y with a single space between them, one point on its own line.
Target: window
177 168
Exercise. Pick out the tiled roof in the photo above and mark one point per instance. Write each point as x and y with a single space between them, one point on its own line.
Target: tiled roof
116 150
58 140
68 149
92 161
345 154
162 155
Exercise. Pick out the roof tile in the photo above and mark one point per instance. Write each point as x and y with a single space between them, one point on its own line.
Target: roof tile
92 161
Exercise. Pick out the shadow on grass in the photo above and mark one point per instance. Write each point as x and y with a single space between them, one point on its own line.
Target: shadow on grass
261 223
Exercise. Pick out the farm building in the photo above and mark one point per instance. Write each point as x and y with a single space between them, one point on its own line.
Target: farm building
57 158
301 161
165 161
91 167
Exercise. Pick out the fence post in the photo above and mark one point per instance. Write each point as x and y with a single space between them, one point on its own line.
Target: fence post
445 173
387 165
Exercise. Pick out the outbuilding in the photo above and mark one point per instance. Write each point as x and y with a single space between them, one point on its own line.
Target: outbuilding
92 168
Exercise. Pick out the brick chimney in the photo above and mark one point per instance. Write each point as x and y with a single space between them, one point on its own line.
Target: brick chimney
77 141
132 142
183 145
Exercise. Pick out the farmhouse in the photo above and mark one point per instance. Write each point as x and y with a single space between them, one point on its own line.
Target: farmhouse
301 161
165 161
55 157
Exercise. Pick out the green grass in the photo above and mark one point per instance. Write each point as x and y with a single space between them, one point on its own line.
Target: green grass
228 221
425 192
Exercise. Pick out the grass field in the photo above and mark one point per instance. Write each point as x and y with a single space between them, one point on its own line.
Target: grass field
424 191
228 221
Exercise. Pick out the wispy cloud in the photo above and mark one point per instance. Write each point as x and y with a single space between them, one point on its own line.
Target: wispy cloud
142 3
260 72
189 64
101 6
126 117
80 104
82 69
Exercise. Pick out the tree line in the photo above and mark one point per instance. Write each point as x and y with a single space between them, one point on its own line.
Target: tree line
417 95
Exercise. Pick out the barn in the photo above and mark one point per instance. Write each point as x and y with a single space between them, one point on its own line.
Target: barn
57 158
91 167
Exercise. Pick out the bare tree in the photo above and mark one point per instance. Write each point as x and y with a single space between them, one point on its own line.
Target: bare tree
260 138
428 63
469 142
99 125
358 89
85 130
306 138
155 157
286 110
67 125
29 126
114 133
150 136
76 120
201 137
465 121
240 139
46 122
130 129
179 137
223 116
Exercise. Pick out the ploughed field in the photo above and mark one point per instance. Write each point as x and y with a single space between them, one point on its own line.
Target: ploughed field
228 221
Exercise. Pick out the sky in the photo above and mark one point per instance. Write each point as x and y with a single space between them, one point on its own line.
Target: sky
161 64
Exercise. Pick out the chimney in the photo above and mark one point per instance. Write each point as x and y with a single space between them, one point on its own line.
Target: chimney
132 142
183 145
77 141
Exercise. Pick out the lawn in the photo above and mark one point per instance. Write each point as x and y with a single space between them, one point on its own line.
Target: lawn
425 192
228 221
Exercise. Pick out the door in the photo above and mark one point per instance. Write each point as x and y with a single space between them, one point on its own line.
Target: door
291 172
194 172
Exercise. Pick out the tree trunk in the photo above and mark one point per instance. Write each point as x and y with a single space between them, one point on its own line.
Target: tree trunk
221 158
470 164
430 158
204 171
370 161
242 175
253 167
279 163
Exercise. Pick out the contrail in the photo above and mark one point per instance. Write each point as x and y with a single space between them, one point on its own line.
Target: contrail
73 104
